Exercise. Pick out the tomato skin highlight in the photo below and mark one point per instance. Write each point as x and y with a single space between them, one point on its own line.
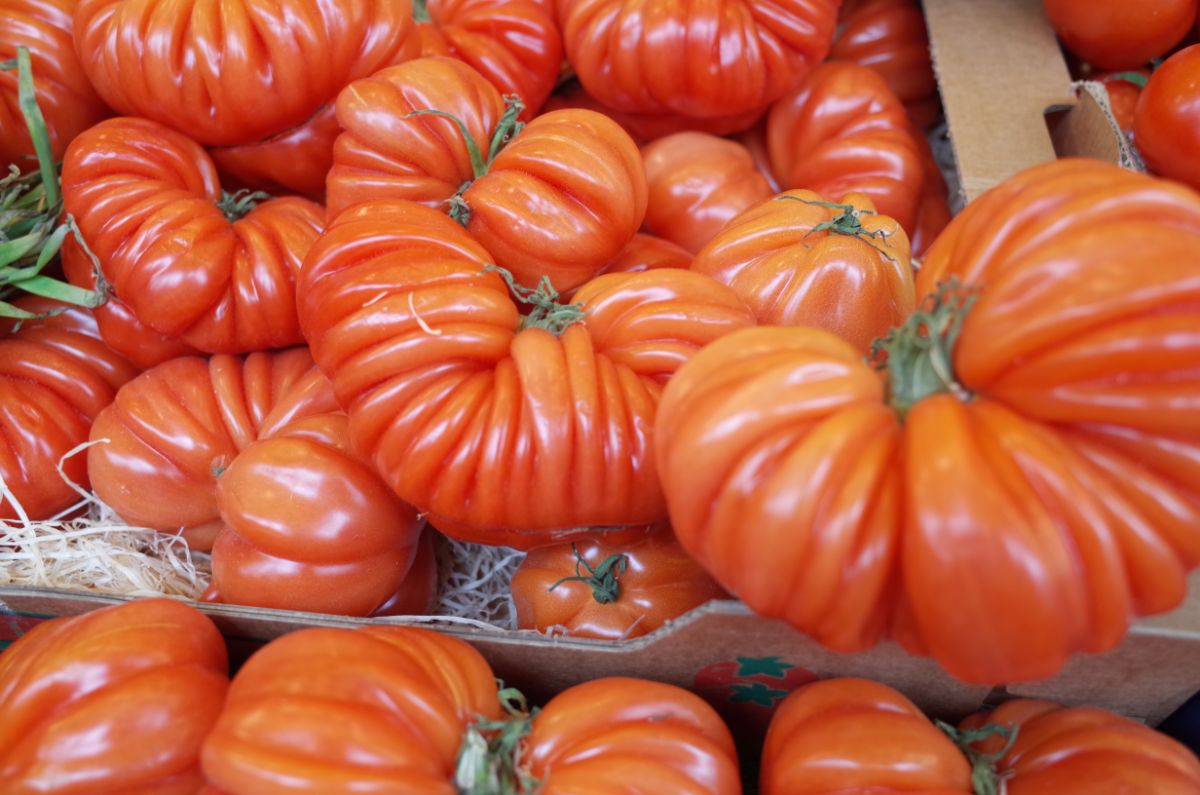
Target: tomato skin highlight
1114 35
1167 118
115 700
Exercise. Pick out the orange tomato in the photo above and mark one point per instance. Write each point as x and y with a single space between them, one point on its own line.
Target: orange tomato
799 260
502 429
560 199
173 430
691 59
647 252
890 37
66 98
613 591
933 208
844 131
1112 34
1031 450
296 160
187 260
309 526
235 72
418 592
56 376
116 700
1124 90
1167 119
696 182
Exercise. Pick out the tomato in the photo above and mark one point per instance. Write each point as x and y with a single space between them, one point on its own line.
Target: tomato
115 700
187 260
844 131
1116 35
799 260
560 199
174 429
296 160
693 59
66 98
647 252
890 37
406 710
1035 457
1124 90
308 526
55 377
933 208
696 182
500 434
120 329
235 72
418 592
1167 119
593 589
855 736
851 735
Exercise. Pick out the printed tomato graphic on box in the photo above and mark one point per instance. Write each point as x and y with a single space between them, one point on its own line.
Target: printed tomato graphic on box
746 690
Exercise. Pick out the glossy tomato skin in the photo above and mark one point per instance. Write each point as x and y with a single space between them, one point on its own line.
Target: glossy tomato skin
691 59
1123 96
118 326
1167 118
622 736
647 252
792 274
240 72
1059 501
514 44
336 710
890 37
176 428
696 183
67 100
308 526
1083 751
463 453
854 735
296 160
659 582
56 376
116 700
842 131
1114 35
137 189
933 208
559 200
417 594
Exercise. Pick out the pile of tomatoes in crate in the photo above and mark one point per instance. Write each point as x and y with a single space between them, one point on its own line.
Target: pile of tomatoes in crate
667 296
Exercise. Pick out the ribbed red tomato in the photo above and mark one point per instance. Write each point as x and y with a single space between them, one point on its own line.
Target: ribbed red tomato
1111 34
66 98
56 376
800 260
694 59
844 131
1031 449
238 71
890 37
560 199
647 252
412 712
696 183
296 160
309 526
593 589
503 429
1167 119
187 260
118 700
172 431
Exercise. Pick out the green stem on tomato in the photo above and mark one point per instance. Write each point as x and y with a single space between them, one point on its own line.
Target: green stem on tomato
984 778
489 759
604 580
547 312
237 205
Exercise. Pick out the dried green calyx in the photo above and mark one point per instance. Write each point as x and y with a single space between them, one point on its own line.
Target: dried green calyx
604 579
489 759
985 780
547 312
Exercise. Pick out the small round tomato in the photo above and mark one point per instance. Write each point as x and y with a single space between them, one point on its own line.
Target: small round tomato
1167 121
1124 91
594 589
696 183
1118 34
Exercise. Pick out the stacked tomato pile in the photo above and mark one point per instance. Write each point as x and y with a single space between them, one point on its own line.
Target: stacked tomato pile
666 296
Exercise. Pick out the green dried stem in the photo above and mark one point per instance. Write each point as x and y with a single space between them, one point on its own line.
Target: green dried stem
489 759
920 353
1136 78
848 222
985 780
547 313
31 235
236 206
604 579
507 128
420 12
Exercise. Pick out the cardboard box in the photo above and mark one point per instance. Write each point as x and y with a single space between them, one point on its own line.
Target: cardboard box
1001 73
